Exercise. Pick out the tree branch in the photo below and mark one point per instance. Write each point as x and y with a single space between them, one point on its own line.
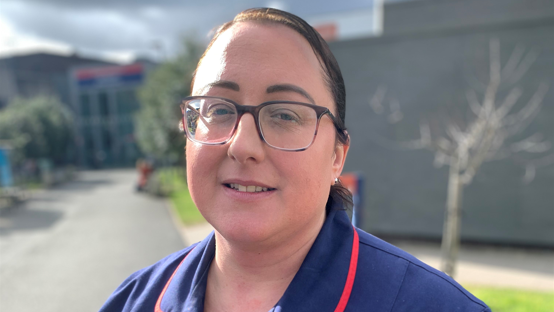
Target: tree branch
523 67
512 63
376 102
473 102
509 102
517 122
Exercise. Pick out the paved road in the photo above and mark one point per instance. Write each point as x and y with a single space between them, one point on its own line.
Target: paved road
68 248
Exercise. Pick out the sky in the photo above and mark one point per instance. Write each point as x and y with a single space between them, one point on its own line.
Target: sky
120 30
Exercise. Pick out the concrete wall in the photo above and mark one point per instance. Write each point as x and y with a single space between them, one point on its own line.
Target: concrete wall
446 15
431 54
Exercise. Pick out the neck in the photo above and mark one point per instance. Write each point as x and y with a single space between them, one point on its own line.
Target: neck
254 277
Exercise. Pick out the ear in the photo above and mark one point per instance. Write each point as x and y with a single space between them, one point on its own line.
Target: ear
339 157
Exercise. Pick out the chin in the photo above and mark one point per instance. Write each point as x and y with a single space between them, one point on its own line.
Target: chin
242 232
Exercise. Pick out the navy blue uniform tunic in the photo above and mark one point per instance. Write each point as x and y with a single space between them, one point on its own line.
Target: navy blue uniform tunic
346 269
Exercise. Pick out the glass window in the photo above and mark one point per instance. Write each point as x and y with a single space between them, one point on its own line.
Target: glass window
103 104
85 105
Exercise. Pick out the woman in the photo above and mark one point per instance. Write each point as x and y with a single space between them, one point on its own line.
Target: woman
266 144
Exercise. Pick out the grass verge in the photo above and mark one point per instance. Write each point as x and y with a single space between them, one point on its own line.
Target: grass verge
173 180
514 300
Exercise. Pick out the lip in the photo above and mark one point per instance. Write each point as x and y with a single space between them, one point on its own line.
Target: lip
247 183
247 196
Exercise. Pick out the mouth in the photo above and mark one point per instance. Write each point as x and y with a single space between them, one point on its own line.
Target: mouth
248 188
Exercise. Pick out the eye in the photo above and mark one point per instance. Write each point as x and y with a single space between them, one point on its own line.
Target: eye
218 110
221 111
285 115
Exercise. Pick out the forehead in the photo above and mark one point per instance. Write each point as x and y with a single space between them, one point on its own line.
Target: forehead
265 53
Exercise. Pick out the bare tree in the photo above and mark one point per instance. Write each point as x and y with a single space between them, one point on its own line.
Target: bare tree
490 134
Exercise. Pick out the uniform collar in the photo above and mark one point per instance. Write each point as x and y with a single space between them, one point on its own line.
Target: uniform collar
318 283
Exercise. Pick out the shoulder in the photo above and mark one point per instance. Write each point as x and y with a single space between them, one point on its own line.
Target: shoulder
142 288
404 283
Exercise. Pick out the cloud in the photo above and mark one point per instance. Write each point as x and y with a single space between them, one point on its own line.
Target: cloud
11 42
102 4
102 29
123 27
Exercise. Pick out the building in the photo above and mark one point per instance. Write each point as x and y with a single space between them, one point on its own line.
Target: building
101 95
431 52
104 100
39 74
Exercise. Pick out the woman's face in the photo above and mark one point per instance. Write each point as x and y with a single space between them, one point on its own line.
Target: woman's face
244 61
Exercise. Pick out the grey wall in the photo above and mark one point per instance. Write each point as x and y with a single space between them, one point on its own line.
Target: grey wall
431 54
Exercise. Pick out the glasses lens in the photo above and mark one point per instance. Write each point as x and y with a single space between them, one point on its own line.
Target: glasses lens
210 120
288 126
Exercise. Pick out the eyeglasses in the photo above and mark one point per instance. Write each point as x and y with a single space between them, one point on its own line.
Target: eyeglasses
284 125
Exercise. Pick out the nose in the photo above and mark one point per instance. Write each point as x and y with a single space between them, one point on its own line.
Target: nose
246 145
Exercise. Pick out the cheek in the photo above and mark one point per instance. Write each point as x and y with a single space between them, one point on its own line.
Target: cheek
191 155
309 182
193 167
201 170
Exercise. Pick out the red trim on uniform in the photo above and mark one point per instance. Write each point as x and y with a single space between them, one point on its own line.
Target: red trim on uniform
351 274
158 308
345 292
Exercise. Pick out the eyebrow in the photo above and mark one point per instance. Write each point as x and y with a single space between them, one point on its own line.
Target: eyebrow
226 84
285 87
290 88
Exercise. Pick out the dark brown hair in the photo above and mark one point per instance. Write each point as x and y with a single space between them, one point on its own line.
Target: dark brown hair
329 65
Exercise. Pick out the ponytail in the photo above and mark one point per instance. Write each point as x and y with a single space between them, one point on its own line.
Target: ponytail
341 195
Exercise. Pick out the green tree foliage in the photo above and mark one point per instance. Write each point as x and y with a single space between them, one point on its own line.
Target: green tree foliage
157 121
39 127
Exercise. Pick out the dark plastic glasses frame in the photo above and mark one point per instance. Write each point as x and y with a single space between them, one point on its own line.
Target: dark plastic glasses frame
255 112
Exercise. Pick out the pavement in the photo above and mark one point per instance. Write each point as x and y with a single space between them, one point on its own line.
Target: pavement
495 266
